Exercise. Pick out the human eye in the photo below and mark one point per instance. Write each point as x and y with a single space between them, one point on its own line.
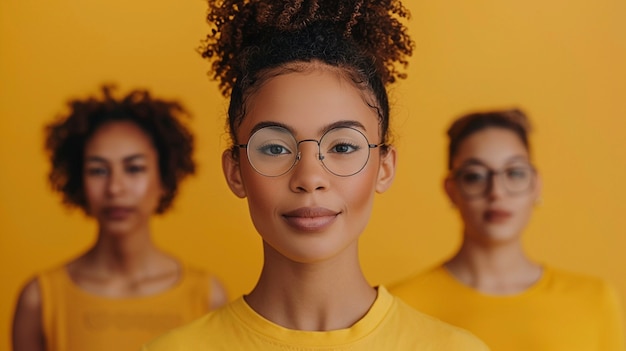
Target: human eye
473 176
343 141
344 147
96 171
518 173
273 149
134 169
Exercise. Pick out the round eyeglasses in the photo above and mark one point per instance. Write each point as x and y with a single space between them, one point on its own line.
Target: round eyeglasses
477 180
273 151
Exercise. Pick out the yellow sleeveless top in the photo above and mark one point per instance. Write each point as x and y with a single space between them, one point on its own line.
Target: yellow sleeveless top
76 320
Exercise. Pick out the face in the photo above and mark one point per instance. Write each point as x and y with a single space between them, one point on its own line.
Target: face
496 160
309 214
121 177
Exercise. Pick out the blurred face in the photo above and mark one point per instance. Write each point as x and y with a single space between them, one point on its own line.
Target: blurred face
304 212
121 177
493 185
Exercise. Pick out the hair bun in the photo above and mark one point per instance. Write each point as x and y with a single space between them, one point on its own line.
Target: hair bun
249 35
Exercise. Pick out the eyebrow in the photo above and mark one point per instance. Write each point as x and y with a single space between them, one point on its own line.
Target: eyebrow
104 160
337 124
475 161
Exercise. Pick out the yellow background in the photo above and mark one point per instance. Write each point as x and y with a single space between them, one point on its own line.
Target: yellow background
564 62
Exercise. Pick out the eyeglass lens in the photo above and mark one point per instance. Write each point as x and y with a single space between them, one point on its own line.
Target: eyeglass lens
273 151
477 180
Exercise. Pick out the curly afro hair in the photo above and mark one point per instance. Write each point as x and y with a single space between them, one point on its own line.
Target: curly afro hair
161 120
366 39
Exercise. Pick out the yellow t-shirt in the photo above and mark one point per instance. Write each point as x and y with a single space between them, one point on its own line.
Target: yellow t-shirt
562 311
76 320
388 325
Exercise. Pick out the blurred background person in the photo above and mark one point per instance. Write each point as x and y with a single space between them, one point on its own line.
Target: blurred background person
491 286
120 160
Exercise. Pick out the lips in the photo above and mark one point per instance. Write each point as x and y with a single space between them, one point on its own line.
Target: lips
310 219
117 213
497 216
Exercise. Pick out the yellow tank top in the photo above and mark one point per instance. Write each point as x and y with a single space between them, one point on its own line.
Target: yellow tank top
76 320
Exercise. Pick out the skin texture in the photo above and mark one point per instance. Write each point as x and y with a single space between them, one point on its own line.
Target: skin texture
491 258
309 219
123 188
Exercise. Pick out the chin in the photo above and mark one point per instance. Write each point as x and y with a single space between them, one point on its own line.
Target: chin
500 236
310 251
308 255
119 229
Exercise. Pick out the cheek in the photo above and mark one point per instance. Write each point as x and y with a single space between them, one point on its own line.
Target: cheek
472 211
148 189
144 187
358 191
525 207
94 191
264 192
357 194
264 202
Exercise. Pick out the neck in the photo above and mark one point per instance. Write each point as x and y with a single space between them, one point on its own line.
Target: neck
124 265
125 253
328 295
495 269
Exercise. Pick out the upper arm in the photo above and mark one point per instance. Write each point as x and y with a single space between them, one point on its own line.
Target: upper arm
217 294
27 321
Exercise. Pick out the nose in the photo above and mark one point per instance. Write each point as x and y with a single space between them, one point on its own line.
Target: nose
115 184
496 187
308 174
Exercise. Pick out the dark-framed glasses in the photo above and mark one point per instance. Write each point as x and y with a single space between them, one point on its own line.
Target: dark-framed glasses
477 180
273 151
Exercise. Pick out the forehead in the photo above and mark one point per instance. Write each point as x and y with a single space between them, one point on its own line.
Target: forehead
118 139
495 147
308 101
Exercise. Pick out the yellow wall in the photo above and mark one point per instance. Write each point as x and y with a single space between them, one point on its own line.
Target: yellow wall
561 61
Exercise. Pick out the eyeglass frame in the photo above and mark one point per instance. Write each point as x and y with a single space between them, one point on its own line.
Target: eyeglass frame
320 156
491 174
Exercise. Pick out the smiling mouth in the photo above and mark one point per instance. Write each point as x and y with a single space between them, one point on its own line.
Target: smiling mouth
310 219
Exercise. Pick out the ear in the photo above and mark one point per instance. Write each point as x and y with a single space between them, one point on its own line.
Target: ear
386 170
232 173
449 186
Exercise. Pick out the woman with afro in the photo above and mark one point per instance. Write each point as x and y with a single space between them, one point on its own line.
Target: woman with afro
120 160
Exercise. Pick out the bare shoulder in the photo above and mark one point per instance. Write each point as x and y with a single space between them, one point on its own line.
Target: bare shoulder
30 297
27 321
207 282
217 293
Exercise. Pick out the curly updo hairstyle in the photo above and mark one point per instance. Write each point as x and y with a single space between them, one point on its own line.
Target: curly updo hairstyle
514 120
161 120
254 40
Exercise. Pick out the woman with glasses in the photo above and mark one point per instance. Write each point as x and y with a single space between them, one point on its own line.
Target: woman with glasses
490 286
120 159
309 120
